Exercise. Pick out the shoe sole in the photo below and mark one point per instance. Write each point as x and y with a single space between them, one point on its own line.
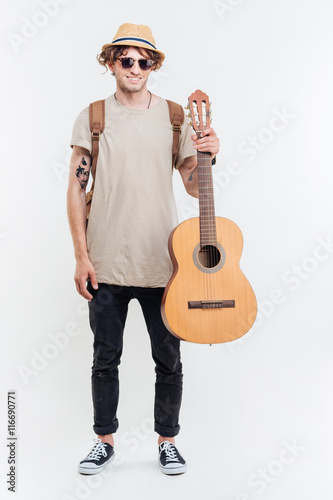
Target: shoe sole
96 470
171 471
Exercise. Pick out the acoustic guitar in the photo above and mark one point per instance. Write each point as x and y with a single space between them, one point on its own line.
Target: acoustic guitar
207 299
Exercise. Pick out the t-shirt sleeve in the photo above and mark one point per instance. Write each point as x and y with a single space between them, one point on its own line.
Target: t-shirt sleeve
186 148
81 135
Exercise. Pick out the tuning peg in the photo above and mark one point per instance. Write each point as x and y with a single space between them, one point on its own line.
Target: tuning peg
188 115
187 107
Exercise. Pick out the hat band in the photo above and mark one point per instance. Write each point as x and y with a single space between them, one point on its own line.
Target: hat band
133 39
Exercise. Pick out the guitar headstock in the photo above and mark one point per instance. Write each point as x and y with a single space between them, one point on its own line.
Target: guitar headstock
200 111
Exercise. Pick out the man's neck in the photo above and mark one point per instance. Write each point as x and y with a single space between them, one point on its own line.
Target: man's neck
136 100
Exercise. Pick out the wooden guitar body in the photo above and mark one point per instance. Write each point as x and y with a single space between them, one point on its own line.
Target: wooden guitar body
208 299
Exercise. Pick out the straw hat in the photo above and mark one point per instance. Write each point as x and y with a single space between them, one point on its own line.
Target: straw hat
136 35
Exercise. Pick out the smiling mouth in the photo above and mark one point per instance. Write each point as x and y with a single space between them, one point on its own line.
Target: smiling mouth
134 80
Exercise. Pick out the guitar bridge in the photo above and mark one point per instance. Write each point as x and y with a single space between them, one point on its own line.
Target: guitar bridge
210 304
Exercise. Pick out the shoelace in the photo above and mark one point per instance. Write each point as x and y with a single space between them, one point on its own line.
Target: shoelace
170 451
98 450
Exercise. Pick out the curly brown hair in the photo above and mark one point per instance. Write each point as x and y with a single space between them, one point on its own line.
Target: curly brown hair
111 53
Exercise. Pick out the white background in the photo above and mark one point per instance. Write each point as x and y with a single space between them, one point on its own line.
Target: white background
245 404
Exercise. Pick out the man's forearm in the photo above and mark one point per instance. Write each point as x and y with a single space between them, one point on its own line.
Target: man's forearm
76 210
76 200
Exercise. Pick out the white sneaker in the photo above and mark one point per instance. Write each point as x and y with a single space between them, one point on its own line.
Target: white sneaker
170 460
97 459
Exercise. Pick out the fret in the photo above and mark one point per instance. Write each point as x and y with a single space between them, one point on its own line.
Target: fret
205 182
206 201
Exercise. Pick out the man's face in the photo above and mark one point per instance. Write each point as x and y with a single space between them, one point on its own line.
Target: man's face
133 79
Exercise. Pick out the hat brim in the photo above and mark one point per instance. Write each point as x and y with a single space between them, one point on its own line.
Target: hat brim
134 43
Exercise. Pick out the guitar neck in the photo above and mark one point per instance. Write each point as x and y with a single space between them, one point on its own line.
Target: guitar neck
206 200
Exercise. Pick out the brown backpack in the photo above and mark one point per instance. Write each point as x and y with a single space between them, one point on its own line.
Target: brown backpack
97 124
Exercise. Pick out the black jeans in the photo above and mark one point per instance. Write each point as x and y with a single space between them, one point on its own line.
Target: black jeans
107 314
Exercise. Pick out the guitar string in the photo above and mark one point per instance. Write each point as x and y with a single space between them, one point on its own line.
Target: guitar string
203 222
207 223
211 226
209 239
201 209
208 229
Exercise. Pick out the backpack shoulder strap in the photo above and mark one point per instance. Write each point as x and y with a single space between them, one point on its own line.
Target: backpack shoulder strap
96 124
176 113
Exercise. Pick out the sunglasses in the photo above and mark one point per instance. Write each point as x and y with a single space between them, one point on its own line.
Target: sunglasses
128 63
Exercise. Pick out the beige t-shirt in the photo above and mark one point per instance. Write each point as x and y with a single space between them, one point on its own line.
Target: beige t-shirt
133 209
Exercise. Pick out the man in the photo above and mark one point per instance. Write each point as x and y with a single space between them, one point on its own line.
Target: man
123 253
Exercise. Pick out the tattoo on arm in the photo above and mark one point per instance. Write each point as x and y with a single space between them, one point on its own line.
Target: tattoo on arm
191 176
82 174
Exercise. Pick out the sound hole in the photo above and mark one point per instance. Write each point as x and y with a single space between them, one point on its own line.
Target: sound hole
209 256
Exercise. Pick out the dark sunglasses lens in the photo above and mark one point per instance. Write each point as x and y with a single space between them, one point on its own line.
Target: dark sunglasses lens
145 64
127 62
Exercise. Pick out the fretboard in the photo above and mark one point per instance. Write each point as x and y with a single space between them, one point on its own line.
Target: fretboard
206 200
